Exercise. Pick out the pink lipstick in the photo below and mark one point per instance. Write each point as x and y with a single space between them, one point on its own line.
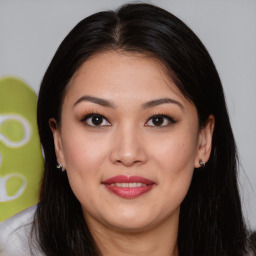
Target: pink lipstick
128 186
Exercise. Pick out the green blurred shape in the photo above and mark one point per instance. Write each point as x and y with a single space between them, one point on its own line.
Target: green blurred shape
12 130
21 161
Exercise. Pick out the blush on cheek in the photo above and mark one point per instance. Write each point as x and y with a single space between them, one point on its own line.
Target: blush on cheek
177 154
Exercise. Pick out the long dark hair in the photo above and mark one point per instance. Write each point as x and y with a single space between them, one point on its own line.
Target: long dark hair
211 221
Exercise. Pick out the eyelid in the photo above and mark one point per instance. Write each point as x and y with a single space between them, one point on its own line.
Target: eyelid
88 116
170 119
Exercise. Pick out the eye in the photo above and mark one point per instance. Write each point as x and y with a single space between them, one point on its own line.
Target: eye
160 121
96 120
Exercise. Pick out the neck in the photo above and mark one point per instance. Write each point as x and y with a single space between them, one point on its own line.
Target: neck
158 241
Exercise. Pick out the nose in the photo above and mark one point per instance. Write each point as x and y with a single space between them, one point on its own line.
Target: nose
129 148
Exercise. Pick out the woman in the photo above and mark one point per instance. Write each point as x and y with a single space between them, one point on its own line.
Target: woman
132 110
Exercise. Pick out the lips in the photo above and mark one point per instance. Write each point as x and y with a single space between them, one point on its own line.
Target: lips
128 186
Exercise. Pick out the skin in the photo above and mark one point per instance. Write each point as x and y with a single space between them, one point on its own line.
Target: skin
130 142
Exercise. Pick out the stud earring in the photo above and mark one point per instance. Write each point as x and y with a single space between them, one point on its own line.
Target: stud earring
59 166
202 163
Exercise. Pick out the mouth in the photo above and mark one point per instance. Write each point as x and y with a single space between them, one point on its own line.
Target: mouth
128 186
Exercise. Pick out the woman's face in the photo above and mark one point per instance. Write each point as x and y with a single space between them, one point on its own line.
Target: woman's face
129 142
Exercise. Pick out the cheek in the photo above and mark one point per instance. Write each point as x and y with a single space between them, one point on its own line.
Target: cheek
84 163
84 158
176 152
82 152
175 159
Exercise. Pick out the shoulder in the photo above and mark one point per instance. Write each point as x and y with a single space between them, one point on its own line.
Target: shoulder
15 234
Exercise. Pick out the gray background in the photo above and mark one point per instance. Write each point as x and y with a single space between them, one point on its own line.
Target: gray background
30 32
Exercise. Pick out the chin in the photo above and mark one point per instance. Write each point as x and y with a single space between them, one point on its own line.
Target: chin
129 226
132 221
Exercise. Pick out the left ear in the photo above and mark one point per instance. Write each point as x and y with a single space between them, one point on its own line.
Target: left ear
204 145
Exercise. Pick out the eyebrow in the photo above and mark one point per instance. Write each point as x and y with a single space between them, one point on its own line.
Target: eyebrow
106 103
99 101
157 102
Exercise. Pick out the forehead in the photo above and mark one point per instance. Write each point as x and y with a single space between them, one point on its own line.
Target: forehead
122 74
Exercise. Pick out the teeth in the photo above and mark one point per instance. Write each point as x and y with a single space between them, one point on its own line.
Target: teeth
136 185
129 185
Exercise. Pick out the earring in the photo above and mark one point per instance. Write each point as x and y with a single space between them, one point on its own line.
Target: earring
202 163
59 166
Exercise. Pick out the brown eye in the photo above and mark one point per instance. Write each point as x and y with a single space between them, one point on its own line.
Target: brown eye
160 121
96 120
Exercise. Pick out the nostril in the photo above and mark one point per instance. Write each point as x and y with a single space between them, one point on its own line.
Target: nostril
128 149
129 161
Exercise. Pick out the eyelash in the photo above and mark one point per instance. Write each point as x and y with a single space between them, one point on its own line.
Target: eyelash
91 115
166 118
